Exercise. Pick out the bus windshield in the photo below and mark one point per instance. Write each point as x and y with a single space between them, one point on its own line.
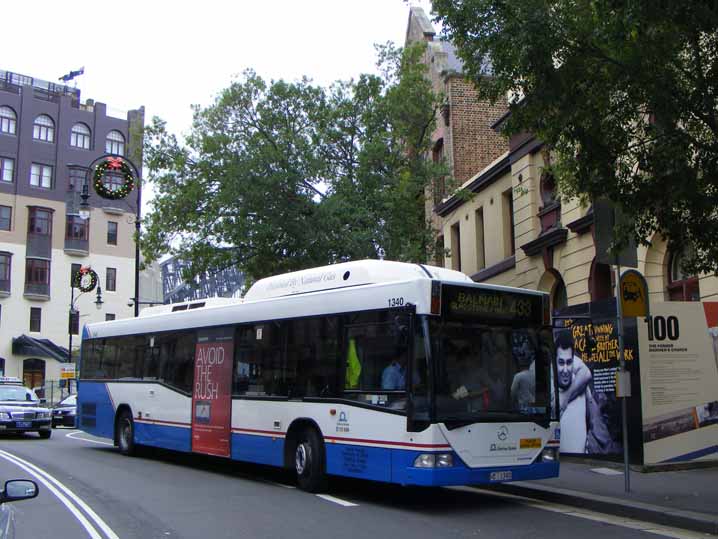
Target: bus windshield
486 370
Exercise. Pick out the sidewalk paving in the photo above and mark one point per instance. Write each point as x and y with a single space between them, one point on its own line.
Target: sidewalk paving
686 498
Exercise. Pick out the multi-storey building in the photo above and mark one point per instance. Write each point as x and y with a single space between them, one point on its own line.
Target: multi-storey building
513 229
48 140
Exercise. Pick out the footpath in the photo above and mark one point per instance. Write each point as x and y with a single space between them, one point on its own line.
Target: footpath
681 498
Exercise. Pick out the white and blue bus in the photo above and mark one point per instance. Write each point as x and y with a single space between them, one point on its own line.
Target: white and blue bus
394 372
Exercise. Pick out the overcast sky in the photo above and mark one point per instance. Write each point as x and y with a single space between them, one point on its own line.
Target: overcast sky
167 55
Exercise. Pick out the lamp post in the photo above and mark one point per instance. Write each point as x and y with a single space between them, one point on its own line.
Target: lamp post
74 312
85 213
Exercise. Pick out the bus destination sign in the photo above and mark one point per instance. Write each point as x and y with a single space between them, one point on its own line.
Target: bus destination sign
463 302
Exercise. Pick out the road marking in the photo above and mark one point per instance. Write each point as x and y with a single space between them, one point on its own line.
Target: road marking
73 433
62 493
606 471
649 527
339 501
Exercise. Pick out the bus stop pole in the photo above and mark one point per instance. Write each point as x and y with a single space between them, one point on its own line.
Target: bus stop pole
622 368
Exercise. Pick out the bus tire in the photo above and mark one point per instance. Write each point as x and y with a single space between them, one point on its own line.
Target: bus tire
126 434
309 462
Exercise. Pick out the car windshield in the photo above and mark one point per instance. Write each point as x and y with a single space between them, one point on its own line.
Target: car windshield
69 401
485 370
17 393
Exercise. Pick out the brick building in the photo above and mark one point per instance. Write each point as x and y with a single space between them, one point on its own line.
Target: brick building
48 139
513 229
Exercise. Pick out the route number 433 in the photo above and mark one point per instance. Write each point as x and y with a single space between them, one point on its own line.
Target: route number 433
396 302
660 327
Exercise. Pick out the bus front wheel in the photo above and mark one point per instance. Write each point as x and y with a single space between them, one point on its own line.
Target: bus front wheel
309 462
126 434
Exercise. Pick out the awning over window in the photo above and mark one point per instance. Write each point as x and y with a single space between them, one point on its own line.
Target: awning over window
30 346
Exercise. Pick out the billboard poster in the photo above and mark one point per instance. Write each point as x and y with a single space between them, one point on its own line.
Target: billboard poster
212 392
586 360
679 381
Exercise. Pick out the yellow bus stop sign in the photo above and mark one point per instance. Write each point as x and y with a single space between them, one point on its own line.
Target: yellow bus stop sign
634 294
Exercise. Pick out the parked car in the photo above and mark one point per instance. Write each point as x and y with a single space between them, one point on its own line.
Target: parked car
15 490
64 412
21 410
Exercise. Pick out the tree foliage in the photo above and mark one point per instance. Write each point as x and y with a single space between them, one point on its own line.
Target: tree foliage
279 176
625 93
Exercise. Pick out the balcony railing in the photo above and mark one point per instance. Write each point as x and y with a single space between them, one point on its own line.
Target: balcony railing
39 246
81 246
37 289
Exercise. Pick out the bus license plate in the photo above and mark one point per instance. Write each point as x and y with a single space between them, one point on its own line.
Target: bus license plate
23 424
500 476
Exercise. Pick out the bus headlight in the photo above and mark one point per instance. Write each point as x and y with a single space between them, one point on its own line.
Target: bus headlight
434 460
549 454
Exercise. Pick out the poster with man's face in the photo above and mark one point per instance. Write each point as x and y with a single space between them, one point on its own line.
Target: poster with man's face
586 359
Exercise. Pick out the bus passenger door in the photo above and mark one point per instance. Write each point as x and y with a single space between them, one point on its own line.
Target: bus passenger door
212 392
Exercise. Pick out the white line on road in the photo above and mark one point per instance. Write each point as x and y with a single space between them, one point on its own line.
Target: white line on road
339 501
63 493
667 531
72 435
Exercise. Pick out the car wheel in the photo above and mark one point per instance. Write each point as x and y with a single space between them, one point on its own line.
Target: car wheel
45 434
309 462
126 434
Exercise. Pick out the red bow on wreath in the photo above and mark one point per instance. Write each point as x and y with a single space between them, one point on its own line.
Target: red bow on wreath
114 162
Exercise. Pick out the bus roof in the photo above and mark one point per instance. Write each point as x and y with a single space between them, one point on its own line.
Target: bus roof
346 274
359 285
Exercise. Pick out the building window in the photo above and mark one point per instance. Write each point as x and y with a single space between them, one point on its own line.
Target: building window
682 286
7 169
111 233
5 217
40 222
35 319
115 143
8 120
73 271
37 271
456 246
76 178
80 136
77 228
5 266
109 317
74 322
43 128
508 223
480 248
111 280
440 249
41 176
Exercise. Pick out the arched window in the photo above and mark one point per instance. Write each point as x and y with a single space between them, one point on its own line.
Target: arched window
8 120
559 298
115 143
681 285
43 128
80 136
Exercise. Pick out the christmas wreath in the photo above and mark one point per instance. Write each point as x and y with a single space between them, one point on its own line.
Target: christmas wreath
85 279
113 165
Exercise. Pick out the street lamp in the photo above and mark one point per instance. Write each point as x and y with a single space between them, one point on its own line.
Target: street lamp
74 312
84 213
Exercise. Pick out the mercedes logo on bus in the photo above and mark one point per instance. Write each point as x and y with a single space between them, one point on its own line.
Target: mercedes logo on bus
503 433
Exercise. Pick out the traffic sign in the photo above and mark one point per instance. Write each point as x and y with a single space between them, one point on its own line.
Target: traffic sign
634 294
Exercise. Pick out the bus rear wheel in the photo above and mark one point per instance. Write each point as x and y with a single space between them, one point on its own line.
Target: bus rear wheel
126 434
309 462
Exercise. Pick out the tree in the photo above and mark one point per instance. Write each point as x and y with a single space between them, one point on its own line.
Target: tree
624 92
280 176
